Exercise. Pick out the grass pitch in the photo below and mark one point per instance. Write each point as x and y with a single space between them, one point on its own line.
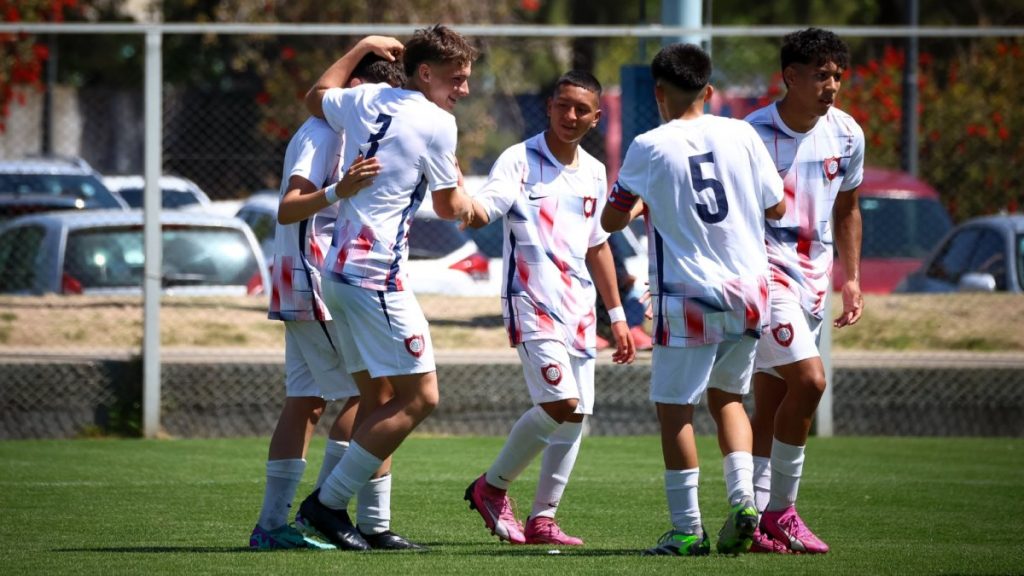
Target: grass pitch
885 505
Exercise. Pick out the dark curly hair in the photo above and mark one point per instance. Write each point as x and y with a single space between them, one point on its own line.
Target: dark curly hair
437 44
814 46
375 69
580 79
685 66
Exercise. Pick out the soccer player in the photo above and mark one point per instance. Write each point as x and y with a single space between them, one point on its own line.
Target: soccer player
708 185
550 192
314 370
819 151
381 330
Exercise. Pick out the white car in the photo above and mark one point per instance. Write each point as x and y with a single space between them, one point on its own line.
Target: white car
175 191
442 258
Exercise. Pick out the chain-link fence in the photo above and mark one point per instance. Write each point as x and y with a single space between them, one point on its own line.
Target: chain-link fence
231 101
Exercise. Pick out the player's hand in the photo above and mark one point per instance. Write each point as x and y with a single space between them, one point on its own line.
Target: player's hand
384 46
645 299
358 176
853 305
465 214
625 348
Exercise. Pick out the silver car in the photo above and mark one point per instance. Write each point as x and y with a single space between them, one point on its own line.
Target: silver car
101 252
175 191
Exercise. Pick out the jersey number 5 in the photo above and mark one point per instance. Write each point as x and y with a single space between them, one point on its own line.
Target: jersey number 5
370 148
702 183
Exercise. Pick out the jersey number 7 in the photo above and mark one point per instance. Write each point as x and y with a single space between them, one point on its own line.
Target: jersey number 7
370 148
701 183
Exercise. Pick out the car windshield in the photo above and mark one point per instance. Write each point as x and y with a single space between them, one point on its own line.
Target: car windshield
169 198
192 256
901 227
84 186
429 238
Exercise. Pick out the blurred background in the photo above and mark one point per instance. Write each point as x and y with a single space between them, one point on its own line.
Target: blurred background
935 85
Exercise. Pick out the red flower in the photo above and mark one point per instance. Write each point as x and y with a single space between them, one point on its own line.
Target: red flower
287 53
262 98
1004 134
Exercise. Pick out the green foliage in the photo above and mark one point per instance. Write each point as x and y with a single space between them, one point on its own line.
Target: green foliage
907 505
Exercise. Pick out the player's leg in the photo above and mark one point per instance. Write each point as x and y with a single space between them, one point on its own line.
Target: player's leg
790 352
558 461
552 385
286 461
730 381
678 379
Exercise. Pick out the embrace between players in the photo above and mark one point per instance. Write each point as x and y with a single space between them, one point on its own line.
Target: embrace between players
738 223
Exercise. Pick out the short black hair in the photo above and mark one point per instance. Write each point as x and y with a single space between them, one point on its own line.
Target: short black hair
578 78
375 69
685 66
816 47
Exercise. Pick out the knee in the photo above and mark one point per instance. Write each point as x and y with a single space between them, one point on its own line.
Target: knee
425 402
811 386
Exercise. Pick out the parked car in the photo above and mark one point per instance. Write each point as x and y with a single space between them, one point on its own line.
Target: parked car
43 184
983 254
903 220
175 191
442 258
101 252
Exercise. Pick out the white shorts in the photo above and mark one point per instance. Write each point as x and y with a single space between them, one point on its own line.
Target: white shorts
312 364
793 334
385 333
553 374
680 375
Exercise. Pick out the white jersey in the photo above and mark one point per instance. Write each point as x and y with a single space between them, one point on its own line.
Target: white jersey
415 142
706 183
552 217
816 166
313 153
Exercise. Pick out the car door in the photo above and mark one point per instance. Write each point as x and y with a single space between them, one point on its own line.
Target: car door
950 262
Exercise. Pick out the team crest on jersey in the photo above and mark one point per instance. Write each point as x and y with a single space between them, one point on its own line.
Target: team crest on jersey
589 206
831 166
552 374
415 345
783 334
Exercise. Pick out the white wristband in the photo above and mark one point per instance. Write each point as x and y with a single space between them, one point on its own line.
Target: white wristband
331 193
617 314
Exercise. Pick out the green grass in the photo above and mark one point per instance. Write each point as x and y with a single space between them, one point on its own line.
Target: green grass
886 506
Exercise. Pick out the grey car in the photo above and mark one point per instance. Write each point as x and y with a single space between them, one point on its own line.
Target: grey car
175 191
984 254
101 252
42 184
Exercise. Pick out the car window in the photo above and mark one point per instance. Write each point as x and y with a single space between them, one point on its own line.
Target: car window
19 253
84 186
192 256
989 258
954 257
1020 261
169 198
429 238
261 223
901 227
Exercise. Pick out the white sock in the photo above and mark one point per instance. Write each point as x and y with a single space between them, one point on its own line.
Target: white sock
373 506
283 477
528 437
348 477
683 507
762 482
738 469
787 467
555 468
332 455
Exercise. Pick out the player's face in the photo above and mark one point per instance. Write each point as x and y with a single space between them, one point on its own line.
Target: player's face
572 112
814 87
447 83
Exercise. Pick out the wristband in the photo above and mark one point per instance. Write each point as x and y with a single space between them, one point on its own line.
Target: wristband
617 314
331 193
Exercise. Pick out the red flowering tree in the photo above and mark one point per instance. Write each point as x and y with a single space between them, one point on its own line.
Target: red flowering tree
21 55
968 115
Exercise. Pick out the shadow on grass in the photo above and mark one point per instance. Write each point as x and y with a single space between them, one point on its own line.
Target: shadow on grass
433 549
162 549
485 321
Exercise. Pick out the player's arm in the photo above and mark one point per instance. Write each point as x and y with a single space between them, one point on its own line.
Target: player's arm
602 269
303 199
454 204
848 231
620 209
338 74
776 212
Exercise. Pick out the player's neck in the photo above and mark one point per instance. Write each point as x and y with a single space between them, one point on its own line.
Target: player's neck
795 119
565 152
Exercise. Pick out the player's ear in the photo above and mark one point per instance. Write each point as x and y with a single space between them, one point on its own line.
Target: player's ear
597 118
709 90
424 72
789 75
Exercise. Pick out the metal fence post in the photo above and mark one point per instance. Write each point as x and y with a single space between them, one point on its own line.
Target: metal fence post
152 236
